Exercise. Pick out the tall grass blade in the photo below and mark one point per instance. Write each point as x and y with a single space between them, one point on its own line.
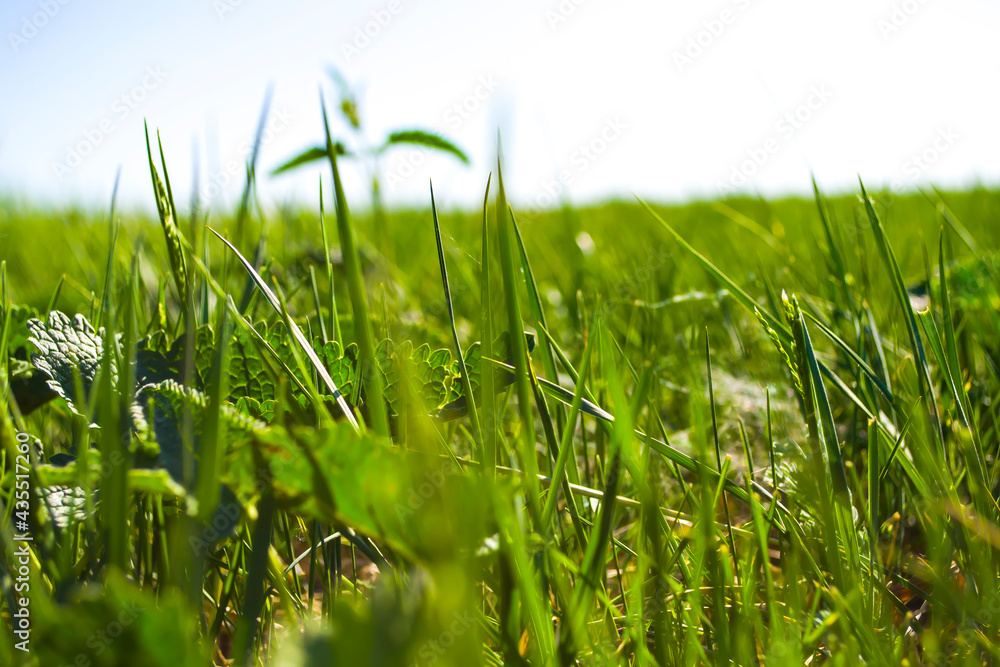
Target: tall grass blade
466 380
518 343
371 377
899 288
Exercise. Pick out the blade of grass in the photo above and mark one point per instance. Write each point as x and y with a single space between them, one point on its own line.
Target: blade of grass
489 400
329 267
359 301
115 226
518 345
566 444
899 287
718 455
168 220
212 448
466 380
572 633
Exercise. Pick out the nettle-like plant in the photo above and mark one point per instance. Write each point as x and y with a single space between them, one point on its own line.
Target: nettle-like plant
369 154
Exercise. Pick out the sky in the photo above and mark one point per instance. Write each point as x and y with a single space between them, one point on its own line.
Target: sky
591 99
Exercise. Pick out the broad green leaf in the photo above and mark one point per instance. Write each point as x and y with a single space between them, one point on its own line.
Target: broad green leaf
372 487
66 344
157 361
427 139
307 156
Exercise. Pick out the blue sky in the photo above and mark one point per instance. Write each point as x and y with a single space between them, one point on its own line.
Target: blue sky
593 98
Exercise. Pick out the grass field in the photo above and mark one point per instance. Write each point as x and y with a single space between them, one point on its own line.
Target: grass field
757 432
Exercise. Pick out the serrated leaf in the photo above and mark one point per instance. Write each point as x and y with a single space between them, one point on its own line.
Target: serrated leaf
440 359
157 361
63 345
257 409
248 376
473 361
64 505
385 359
421 353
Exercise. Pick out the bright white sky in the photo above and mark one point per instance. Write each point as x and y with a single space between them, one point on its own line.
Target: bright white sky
593 98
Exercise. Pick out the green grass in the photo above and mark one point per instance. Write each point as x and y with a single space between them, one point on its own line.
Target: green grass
801 463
